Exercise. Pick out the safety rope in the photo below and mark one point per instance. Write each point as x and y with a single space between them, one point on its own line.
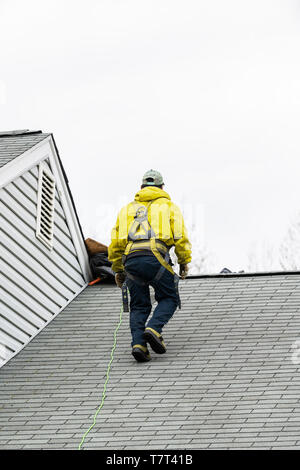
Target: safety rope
106 381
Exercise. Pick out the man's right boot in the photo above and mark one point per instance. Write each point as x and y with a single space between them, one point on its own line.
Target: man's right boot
141 353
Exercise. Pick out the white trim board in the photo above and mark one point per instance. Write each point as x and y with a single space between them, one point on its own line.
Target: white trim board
24 162
67 205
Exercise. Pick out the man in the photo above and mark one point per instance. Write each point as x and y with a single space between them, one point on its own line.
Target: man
139 252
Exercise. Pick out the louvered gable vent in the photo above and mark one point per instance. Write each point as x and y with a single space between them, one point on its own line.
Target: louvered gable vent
45 206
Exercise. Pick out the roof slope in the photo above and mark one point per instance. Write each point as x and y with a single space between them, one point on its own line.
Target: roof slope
227 380
14 143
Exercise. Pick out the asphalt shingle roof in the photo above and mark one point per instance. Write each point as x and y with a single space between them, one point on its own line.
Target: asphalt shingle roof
226 381
14 143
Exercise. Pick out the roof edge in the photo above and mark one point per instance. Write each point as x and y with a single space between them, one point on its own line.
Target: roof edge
68 186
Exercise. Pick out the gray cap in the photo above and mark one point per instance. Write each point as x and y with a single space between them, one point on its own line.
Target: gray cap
153 178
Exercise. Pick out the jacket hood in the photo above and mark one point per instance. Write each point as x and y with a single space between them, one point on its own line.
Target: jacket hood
150 193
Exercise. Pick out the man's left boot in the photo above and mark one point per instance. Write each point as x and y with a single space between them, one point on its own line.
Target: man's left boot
155 340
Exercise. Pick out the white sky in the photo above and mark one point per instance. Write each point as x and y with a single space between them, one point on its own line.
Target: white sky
207 92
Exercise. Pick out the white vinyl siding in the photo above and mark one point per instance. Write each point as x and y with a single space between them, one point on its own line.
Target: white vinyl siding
36 283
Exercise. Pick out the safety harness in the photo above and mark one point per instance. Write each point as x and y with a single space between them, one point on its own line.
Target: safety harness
146 241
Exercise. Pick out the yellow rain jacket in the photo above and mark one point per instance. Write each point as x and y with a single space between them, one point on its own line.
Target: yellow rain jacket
165 219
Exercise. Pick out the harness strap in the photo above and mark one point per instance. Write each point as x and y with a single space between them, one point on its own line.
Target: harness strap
146 241
145 245
141 282
176 282
137 279
140 217
127 250
125 297
158 256
157 276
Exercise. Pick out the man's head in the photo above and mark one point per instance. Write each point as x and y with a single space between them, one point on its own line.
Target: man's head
152 178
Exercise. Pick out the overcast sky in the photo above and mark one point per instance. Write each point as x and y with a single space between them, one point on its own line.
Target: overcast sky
207 92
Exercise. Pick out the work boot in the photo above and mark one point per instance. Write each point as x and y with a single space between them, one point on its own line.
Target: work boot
141 353
155 340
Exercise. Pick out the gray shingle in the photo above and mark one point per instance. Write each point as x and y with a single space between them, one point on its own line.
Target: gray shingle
11 146
227 380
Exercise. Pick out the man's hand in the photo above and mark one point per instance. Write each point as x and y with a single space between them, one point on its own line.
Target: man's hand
183 270
119 279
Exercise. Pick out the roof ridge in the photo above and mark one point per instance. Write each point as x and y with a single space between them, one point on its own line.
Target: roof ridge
19 132
249 274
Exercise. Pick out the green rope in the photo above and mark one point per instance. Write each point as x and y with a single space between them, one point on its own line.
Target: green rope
106 381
